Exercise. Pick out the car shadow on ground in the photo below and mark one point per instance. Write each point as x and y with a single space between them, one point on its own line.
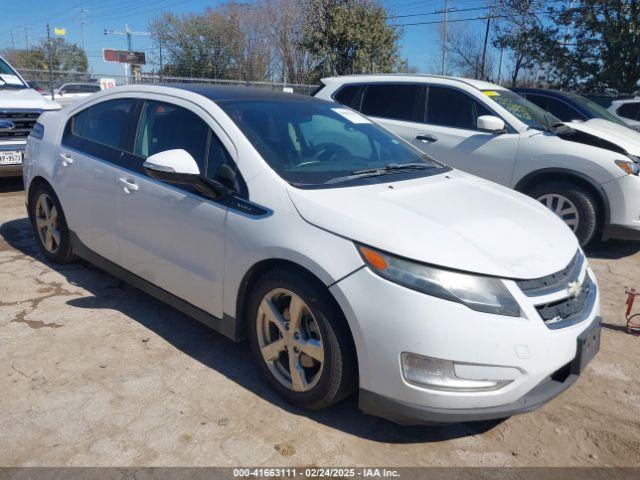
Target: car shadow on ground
613 249
12 184
216 351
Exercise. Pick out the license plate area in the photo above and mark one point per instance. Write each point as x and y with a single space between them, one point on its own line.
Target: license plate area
10 157
588 347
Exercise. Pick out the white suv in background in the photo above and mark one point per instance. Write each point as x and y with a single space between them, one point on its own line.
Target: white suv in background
20 107
587 173
346 256
628 111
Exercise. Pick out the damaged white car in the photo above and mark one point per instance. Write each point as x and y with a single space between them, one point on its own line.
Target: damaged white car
587 173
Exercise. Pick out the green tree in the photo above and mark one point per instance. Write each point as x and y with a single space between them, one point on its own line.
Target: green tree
197 45
229 42
600 44
350 36
66 56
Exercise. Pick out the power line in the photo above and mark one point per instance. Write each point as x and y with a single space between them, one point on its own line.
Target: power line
539 3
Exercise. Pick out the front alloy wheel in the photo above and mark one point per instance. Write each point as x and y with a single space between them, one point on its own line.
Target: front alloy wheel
563 208
289 339
300 339
574 204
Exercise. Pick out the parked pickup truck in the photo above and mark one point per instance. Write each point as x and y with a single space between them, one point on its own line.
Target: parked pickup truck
20 107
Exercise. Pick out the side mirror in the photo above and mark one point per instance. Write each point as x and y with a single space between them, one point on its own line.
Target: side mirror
491 124
178 166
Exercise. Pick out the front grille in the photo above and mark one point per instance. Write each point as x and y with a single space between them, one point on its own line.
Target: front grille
569 311
23 121
555 281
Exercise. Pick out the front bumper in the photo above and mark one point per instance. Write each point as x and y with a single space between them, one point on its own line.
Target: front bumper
14 170
624 204
409 414
387 319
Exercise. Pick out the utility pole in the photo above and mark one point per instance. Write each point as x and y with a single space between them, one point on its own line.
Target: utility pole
160 47
129 34
13 42
26 38
444 36
484 49
82 23
50 55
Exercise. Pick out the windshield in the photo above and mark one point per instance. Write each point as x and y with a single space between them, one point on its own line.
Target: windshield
311 143
525 111
596 110
8 78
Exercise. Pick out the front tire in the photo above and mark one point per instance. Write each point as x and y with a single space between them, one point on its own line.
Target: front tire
50 225
300 340
576 206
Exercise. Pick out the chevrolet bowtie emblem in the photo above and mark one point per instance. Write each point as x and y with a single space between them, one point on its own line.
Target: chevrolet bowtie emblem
574 288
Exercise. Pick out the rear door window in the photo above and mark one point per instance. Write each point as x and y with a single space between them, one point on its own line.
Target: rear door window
399 101
103 130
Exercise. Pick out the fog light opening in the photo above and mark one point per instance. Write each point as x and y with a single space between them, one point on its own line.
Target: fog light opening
437 374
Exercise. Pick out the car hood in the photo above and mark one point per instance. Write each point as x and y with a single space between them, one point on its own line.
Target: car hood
24 98
452 220
623 137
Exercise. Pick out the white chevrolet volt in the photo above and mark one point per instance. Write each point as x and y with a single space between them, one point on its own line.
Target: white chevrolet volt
348 258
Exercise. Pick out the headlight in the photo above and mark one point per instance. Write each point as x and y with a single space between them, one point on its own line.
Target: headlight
483 294
631 167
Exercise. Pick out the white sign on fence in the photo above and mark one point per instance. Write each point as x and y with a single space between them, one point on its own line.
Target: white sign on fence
107 83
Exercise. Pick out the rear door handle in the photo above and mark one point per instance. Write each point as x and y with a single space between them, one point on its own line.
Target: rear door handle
66 158
128 185
426 137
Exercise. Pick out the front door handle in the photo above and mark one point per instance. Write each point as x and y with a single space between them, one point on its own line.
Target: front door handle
426 137
66 158
128 185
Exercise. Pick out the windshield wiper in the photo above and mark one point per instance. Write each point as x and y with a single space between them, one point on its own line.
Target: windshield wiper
378 172
390 167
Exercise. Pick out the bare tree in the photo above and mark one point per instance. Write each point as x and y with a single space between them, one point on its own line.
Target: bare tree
254 51
287 21
465 54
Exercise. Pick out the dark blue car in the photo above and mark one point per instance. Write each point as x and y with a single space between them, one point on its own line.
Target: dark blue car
567 106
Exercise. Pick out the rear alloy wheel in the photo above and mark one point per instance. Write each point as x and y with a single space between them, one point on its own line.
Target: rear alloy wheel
50 225
573 204
300 340
46 219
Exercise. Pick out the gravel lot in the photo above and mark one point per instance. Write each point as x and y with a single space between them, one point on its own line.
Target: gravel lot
94 372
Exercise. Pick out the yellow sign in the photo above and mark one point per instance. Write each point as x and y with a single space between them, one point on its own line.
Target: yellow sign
60 31
491 93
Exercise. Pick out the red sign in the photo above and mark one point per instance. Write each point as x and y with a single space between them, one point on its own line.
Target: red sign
123 56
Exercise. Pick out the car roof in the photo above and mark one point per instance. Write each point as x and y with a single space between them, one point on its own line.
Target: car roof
218 93
404 77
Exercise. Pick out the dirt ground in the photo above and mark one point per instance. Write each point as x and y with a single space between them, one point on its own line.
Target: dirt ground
94 372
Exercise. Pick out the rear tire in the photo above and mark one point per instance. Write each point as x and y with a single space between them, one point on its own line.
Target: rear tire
574 204
50 225
328 373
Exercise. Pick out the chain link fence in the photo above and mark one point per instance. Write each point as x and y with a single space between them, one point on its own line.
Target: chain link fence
43 80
